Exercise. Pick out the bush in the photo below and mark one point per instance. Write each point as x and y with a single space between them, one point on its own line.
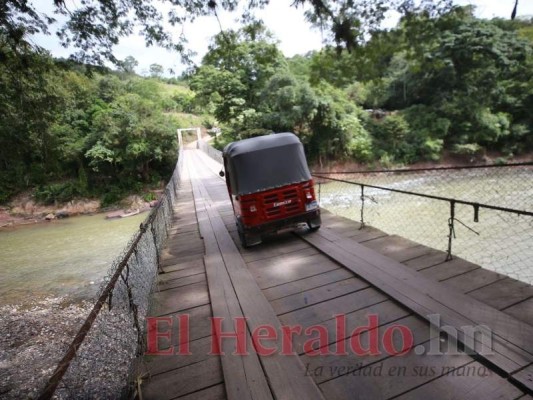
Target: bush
208 122
468 149
432 149
492 127
359 145
148 197
427 131
112 196
391 138
58 192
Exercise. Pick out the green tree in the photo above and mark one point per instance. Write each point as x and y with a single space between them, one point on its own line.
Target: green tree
235 70
156 70
129 64
287 104
130 137
94 27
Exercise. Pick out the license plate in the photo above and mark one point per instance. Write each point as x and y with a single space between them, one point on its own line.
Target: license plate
311 206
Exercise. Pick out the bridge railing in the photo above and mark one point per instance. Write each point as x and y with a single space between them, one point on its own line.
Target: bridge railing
99 362
483 214
210 151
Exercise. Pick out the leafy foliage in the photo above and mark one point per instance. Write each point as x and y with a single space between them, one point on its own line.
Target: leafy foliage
441 80
95 26
71 135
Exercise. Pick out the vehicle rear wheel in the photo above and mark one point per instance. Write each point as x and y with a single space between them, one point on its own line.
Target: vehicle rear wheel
242 238
247 240
314 224
313 228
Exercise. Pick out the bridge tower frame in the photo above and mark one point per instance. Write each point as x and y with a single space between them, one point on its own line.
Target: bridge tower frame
198 135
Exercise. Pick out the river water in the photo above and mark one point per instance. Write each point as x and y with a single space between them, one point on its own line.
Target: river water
63 258
498 240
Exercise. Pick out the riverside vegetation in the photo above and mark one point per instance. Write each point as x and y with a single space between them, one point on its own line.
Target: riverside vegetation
435 84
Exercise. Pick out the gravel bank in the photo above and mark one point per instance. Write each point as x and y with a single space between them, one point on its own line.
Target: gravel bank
33 338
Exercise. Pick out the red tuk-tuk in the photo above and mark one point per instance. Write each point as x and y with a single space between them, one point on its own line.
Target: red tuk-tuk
270 186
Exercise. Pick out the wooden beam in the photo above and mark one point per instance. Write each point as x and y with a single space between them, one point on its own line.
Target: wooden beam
286 373
511 339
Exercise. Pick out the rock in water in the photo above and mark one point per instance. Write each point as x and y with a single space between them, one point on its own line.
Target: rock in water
62 214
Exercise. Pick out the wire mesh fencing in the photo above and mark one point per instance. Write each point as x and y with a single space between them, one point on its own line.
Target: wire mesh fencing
481 214
99 363
210 151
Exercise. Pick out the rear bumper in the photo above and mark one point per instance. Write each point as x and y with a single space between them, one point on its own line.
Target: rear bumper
274 226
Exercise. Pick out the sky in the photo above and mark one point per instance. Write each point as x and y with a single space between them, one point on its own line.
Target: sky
296 36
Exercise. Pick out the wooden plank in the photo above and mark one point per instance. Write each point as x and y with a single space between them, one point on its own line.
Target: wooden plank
341 305
282 269
366 234
285 373
473 280
183 238
331 365
525 378
244 378
183 228
184 265
409 253
426 298
173 260
184 246
183 381
216 392
153 365
179 282
180 272
341 226
311 282
180 299
434 257
448 269
244 375
475 310
273 247
391 377
199 324
522 311
390 244
336 222
317 295
473 381
386 311
190 234
503 293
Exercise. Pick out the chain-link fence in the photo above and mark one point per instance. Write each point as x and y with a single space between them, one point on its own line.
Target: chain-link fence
210 151
492 220
99 361
481 214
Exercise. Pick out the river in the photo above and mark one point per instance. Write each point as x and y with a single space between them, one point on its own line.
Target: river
500 241
62 258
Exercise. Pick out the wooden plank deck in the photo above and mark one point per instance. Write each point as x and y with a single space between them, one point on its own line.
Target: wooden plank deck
182 289
287 281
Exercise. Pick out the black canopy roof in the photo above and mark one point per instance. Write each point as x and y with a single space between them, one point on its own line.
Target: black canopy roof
265 162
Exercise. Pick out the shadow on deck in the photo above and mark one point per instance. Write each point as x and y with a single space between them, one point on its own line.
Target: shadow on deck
313 291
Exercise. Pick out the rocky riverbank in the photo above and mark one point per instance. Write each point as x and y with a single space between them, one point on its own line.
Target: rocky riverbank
24 210
32 340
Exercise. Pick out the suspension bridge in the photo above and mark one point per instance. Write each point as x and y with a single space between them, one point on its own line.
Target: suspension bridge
345 312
